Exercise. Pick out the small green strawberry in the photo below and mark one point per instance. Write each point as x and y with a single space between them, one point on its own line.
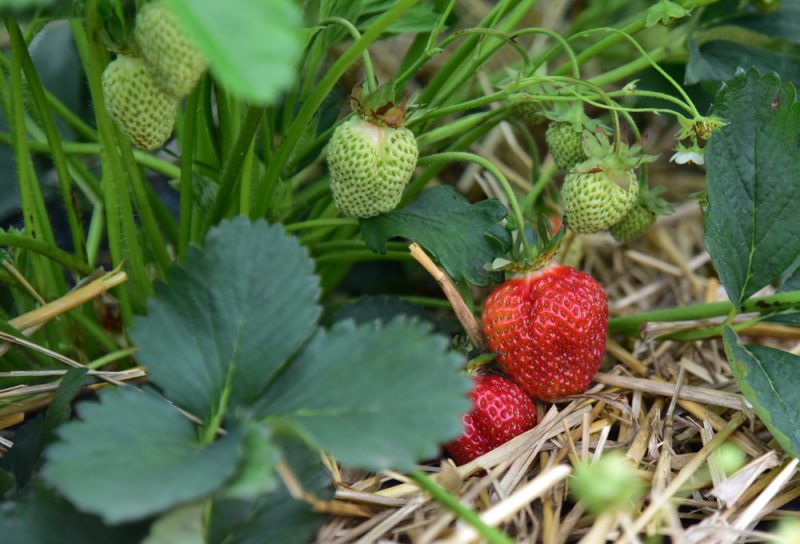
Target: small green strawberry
599 191
372 156
640 216
173 60
564 142
370 166
568 123
133 100
635 222
607 485
528 109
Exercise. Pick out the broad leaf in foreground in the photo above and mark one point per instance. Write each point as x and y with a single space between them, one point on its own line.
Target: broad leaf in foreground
463 237
752 231
133 454
42 517
770 380
374 396
251 47
230 318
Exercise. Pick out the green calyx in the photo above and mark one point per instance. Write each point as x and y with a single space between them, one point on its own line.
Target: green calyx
542 249
616 162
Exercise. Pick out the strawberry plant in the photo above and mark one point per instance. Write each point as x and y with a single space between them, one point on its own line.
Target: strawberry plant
290 271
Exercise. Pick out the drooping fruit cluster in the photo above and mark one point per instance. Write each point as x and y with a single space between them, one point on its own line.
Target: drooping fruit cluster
142 94
171 58
548 330
144 111
501 411
599 191
371 158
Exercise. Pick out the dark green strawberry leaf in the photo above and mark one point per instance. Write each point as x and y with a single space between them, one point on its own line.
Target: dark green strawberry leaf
718 60
42 517
790 279
461 236
770 380
225 323
133 455
753 163
375 396
251 47
275 517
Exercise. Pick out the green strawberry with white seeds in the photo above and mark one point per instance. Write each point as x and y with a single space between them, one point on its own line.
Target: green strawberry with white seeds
640 216
599 191
132 98
172 59
370 166
564 141
634 223
372 156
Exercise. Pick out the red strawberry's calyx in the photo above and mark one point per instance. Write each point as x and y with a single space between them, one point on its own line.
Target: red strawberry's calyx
543 246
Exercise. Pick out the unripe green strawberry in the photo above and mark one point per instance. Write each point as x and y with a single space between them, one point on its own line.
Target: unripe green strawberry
529 110
145 112
369 166
594 201
173 61
564 141
599 191
633 223
609 484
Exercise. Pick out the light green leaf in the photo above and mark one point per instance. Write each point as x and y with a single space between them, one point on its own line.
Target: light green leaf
277 516
664 12
374 396
133 455
180 526
770 380
751 227
251 47
256 475
463 237
228 319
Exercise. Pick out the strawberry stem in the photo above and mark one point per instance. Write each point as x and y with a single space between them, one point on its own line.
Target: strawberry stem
771 303
491 534
370 83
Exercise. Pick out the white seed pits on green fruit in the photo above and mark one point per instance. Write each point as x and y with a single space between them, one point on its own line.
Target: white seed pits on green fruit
370 166
593 202
145 112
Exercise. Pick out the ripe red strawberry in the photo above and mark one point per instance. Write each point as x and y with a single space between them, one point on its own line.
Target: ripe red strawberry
549 330
501 411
